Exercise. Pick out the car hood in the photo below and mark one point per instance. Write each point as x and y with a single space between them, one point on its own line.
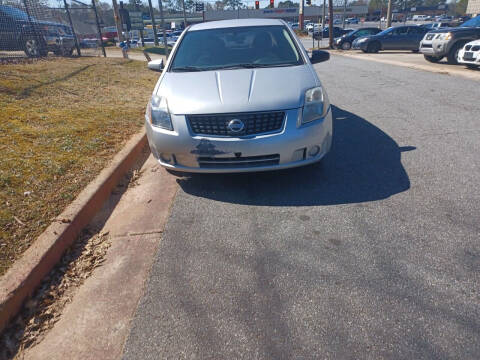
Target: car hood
239 90
474 42
364 37
453 30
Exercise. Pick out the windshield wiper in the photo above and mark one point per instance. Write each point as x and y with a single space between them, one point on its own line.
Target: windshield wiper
250 66
188 68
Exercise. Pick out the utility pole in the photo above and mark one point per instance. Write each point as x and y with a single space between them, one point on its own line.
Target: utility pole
184 15
98 28
344 12
323 18
154 26
118 22
137 7
77 46
162 24
330 24
389 14
300 15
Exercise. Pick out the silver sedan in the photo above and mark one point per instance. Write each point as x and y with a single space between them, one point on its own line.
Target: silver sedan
237 96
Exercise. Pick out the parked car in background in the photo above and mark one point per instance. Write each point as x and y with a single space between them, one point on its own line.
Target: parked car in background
394 38
36 38
470 54
436 25
420 17
337 31
448 42
351 21
89 43
246 99
345 41
444 18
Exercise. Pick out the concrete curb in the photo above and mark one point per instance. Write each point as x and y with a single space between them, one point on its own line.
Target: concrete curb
26 274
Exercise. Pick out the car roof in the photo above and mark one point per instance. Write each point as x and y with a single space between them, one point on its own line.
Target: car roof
235 23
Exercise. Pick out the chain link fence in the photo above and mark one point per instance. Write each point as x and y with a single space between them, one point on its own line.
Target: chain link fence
35 28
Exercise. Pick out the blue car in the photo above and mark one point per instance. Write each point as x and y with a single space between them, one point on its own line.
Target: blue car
394 38
19 32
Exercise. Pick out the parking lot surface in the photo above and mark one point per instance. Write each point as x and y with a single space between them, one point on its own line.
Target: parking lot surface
372 254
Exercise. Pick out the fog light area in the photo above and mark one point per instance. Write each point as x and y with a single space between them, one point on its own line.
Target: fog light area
166 158
299 154
314 150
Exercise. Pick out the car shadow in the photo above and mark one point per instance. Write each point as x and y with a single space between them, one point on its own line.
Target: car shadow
363 165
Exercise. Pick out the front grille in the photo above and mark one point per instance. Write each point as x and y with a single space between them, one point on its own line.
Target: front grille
476 48
430 36
238 162
426 45
255 123
468 47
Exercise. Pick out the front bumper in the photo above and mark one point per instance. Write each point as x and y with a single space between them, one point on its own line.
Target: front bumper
60 42
181 149
462 60
434 47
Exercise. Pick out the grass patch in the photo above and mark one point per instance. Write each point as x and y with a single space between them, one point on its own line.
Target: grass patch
61 121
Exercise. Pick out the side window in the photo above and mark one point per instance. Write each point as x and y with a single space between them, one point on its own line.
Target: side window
361 33
402 31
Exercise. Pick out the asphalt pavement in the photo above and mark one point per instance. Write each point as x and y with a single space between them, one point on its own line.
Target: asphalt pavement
372 254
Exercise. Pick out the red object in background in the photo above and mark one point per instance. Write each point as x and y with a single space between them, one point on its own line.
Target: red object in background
257 4
272 3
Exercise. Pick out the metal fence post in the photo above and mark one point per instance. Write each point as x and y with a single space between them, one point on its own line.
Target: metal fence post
77 46
162 24
152 16
98 27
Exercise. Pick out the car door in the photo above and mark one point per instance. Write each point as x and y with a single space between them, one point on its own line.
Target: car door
402 40
390 39
415 35
7 31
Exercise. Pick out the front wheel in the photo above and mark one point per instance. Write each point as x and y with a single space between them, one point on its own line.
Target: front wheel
453 54
433 59
373 47
63 52
346 45
33 47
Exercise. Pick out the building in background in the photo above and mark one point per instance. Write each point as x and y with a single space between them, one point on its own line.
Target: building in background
473 7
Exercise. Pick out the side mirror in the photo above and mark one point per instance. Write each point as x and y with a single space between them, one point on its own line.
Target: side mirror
156 65
319 56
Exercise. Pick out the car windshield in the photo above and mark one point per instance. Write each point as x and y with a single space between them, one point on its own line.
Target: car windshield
14 12
386 31
236 47
475 22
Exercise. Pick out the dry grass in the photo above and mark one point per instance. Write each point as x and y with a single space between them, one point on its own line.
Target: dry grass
61 121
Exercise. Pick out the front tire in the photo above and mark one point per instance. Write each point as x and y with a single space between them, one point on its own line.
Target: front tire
34 48
433 59
346 45
453 54
373 48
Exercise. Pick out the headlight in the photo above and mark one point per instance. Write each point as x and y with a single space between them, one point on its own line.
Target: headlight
316 105
158 114
445 36
362 40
